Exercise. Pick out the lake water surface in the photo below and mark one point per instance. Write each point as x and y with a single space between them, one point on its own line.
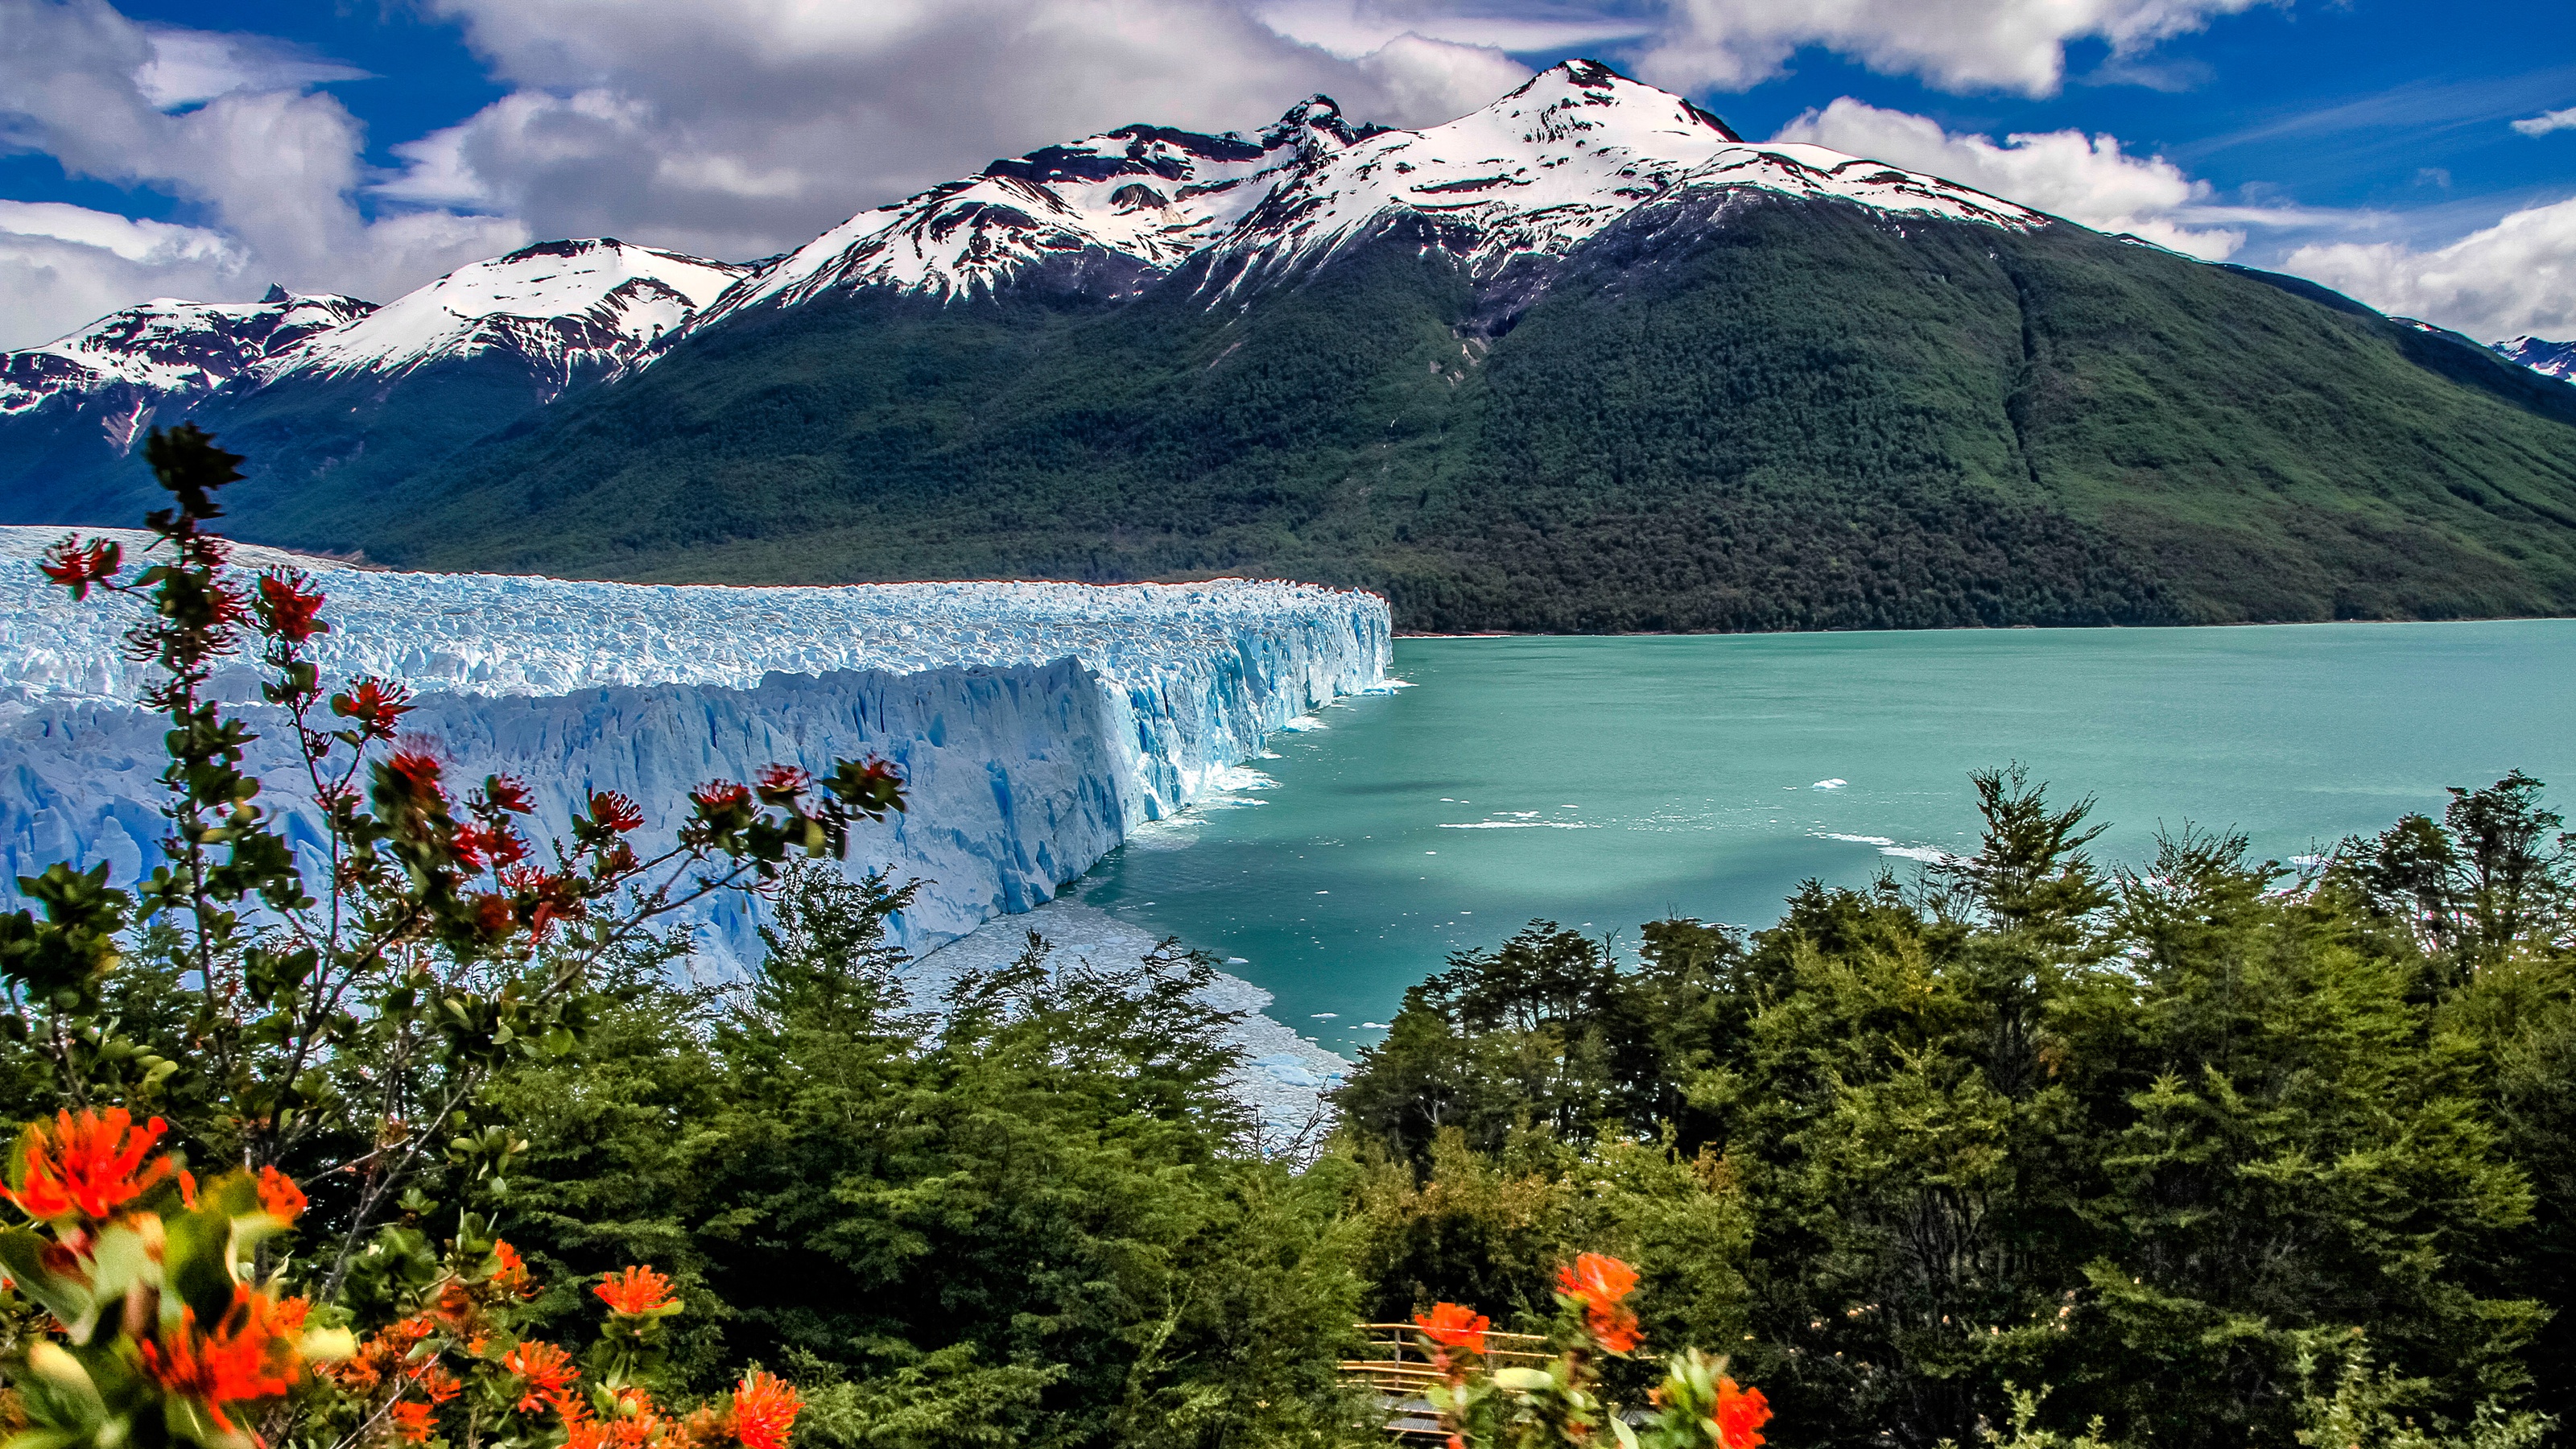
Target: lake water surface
1607 782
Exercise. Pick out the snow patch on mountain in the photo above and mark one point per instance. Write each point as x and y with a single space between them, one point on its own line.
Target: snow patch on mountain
2557 359
562 306
168 347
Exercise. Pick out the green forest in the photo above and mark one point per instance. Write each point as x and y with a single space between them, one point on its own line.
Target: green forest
340 1147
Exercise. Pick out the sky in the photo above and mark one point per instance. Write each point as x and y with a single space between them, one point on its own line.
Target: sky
2419 157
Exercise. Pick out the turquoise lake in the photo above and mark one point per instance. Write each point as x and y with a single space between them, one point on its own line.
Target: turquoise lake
1604 782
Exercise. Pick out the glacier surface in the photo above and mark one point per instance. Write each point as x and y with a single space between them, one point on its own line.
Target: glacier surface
1035 723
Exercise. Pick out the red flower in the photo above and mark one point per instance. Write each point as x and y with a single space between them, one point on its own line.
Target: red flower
498 845
1740 1415
416 772
509 792
250 1355
545 1369
512 1275
436 1383
615 811
720 795
494 914
228 604
290 606
89 1166
76 565
375 704
279 1197
1598 1283
413 1423
780 784
635 1291
764 1409
1451 1325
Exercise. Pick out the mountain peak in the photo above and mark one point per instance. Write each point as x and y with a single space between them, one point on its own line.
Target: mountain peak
557 304
164 347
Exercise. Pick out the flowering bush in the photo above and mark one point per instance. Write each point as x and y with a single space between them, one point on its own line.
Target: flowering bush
160 1326
340 1028
1484 1404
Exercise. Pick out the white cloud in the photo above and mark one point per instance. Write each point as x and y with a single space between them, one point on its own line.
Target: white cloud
738 128
52 284
2547 121
2066 173
2515 278
269 169
1960 45
1353 28
188 66
158 243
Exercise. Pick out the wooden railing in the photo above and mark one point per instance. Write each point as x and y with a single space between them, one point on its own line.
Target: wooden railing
1400 1370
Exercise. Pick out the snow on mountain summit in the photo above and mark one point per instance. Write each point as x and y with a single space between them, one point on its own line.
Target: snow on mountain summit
1149 194
1547 166
1540 170
2556 359
561 305
167 346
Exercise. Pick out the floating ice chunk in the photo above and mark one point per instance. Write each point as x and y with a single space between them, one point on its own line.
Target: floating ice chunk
1829 784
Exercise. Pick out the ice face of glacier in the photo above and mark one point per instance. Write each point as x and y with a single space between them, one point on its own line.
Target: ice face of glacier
1035 723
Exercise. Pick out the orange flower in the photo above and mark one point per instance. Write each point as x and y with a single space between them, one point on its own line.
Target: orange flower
512 1275
546 1369
1453 1326
1598 1283
1741 1413
279 1197
764 1409
436 1383
89 1165
635 1291
413 1423
250 1355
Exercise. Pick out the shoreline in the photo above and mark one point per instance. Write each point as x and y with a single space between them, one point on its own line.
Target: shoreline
1283 1077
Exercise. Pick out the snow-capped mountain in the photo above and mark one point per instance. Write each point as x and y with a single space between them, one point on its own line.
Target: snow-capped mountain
560 306
1548 166
130 359
1146 195
2557 359
1538 171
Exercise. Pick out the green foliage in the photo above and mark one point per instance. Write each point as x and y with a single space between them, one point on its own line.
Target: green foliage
1032 1221
2148 1137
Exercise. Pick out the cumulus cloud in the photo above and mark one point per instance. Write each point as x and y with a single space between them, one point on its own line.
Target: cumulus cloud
742 127
2547 121
2090 179
1963 45
272 173
2515 278
62 267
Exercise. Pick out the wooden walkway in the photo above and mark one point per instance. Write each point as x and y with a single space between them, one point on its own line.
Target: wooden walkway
1400 1370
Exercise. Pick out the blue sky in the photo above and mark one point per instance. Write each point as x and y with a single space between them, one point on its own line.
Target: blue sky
209 148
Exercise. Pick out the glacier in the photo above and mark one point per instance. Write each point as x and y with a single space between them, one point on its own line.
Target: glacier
1035 723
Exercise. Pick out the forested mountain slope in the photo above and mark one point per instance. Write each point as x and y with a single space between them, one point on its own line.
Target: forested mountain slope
1731 411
